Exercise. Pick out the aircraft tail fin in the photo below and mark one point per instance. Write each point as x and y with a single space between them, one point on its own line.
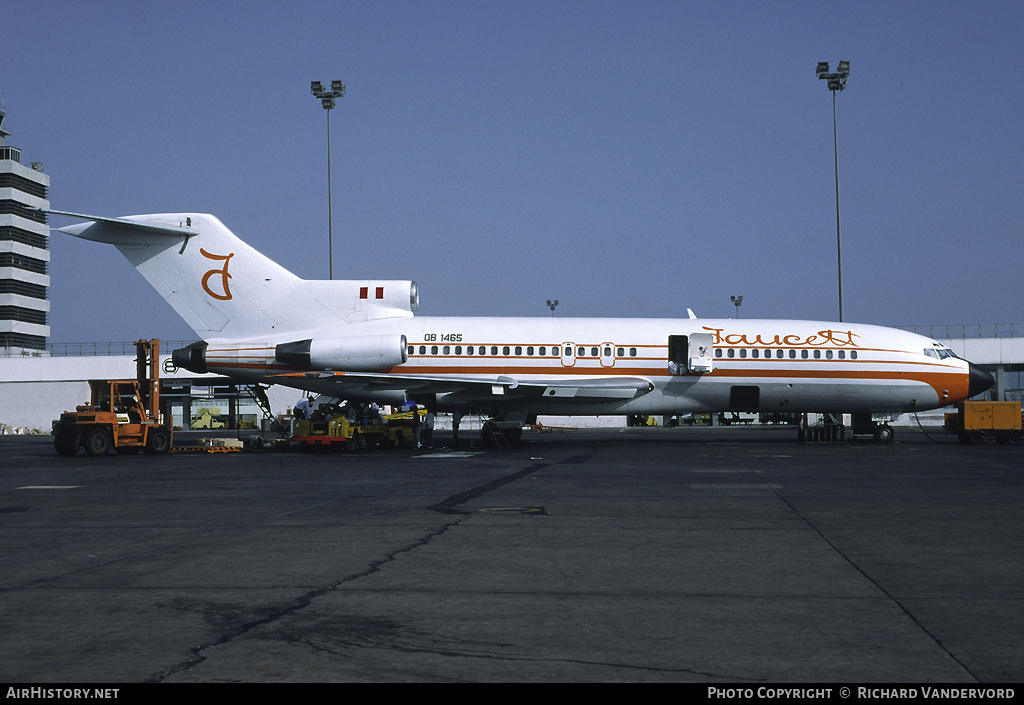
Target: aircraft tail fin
224 288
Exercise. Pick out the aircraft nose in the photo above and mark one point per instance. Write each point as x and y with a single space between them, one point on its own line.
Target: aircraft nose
978 380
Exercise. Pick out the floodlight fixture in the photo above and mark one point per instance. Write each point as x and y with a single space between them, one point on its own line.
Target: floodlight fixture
837 80
737 301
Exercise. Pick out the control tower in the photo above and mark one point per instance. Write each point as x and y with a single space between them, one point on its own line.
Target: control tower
24 256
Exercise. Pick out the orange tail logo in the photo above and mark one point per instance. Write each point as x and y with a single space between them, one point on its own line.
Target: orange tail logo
224 276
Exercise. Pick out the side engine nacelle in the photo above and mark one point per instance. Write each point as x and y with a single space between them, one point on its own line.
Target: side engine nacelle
364 353
349 354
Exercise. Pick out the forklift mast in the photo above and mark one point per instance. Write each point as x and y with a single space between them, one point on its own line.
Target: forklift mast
147 365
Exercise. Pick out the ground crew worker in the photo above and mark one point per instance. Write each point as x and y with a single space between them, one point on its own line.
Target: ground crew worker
428 429
304 408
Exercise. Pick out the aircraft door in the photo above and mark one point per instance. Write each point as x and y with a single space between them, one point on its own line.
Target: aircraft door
568 354
607 355
690 355
701 353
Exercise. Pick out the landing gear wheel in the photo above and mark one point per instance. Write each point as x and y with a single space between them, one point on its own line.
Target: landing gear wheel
159 442
884 433
97 442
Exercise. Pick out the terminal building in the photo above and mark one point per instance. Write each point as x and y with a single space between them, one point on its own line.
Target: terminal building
24 255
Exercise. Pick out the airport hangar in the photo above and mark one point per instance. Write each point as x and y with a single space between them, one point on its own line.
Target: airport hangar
36 388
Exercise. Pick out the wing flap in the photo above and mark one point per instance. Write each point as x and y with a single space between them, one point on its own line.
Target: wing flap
595 389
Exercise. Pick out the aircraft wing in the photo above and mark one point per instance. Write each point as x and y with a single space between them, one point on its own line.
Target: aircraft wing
475 389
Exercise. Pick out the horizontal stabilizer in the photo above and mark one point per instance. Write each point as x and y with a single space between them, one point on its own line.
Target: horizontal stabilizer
118 231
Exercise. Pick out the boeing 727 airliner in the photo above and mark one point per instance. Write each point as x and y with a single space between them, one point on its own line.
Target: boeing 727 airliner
359 340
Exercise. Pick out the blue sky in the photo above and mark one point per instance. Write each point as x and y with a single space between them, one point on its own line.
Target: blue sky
627 158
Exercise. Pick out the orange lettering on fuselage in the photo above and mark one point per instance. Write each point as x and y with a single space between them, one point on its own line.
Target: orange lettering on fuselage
838 338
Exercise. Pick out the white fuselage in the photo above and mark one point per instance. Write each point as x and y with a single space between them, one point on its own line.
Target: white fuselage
758 365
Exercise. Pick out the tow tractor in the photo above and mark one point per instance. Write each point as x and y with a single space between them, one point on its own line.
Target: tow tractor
123 414
331 429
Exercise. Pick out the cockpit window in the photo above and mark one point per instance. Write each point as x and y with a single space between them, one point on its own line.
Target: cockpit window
940 353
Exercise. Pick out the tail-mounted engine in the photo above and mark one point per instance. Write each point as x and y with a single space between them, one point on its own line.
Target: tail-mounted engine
351 354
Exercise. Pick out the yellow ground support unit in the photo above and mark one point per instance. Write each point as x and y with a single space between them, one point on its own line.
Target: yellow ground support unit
974 421
336 432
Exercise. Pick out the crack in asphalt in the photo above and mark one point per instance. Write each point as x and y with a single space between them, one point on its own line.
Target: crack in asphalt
301 602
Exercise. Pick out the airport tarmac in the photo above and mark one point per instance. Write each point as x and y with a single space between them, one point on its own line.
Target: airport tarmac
726 555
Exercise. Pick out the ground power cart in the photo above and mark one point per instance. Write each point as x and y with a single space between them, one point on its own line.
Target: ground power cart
976 421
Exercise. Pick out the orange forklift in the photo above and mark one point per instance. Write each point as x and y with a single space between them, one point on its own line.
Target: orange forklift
123 414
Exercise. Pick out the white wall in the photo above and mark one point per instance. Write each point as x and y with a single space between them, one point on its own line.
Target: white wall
35 390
